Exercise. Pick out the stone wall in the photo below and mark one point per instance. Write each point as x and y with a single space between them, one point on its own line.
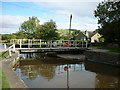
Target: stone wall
103 57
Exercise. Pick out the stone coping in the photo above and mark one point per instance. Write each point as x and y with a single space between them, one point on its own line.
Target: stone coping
14 80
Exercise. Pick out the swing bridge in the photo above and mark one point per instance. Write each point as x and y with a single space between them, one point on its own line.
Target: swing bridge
35 45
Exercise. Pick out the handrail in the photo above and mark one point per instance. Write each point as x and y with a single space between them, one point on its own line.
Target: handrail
9 49
50 43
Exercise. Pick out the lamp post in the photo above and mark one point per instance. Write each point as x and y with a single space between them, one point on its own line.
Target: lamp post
70 25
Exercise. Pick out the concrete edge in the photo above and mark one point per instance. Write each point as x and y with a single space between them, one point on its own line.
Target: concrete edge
94 61
14 80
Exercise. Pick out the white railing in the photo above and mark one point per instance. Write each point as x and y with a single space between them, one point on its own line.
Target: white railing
31 43
11 49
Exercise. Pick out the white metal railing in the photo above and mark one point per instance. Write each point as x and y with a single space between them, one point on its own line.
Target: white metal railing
10 49
31 43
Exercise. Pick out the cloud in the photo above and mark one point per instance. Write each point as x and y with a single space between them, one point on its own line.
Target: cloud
10 23
76 8
82 12
79 26
52 0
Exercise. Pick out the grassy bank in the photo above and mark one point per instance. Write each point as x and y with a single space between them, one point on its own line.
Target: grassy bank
3 55
4 81
111 50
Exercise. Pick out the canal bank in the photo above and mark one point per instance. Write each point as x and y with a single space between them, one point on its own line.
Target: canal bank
103 56
13 80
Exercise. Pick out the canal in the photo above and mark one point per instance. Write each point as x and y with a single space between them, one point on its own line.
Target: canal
40 71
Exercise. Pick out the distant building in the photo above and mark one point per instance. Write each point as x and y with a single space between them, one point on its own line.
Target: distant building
92 36
80 36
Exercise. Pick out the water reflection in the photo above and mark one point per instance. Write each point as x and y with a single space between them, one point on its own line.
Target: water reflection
106 77
40 71
3 46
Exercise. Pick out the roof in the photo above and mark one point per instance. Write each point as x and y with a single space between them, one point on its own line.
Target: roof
92 34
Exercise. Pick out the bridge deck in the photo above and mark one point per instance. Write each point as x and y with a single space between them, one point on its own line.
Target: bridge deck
50 49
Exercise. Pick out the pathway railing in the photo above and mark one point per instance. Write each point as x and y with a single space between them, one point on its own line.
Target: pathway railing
38 43
11 49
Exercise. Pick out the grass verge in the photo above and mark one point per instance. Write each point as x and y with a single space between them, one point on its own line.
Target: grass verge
3 55
111 50
4 81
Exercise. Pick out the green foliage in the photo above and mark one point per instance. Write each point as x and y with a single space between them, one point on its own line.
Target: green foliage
108 14
111 50
8 36
21 35
75 33
64 34
3 55
101 39
47 31
29 27
4 37
64 37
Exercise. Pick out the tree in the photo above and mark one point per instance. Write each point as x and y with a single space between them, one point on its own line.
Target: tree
30 27
8 36
4 37
108 14
21 35
47 31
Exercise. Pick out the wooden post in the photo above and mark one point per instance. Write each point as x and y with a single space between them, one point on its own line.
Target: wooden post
40 43
5 46
10 53
75 43
13 47
28 43
51 44
20 43
31 42
61 43
86 44
82 43
68 43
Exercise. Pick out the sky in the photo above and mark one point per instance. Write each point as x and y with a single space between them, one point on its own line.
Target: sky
14 13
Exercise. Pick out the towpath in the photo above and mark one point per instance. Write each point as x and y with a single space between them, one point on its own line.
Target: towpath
14 80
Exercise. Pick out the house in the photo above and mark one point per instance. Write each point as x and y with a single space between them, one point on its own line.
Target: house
80 36
92 36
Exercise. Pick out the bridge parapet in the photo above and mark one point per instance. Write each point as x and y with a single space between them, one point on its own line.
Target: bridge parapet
38 43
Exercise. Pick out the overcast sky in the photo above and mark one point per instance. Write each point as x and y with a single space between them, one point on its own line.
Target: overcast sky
16 12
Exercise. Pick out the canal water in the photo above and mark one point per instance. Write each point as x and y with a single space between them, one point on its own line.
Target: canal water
2 46
39 71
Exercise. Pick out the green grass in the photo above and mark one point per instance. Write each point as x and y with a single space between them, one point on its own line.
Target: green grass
111 50
3 55
64 31
4 81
